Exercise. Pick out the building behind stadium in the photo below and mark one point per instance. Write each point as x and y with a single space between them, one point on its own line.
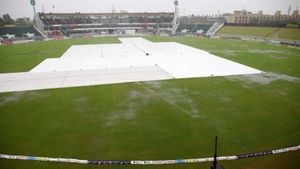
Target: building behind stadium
244 17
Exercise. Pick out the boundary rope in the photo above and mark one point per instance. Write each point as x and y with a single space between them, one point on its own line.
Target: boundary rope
149 162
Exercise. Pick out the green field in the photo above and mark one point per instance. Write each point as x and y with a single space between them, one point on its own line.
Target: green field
268 32
23 57
157 120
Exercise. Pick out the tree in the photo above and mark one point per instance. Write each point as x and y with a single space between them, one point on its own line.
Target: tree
1 22
28 20
20 21
7 19
23 21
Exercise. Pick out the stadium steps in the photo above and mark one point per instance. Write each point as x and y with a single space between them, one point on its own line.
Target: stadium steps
214 29
39 31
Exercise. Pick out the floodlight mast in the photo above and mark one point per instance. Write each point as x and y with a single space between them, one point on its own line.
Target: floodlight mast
175 22
32 2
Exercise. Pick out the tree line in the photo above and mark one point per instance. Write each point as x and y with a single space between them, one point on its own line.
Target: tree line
6 19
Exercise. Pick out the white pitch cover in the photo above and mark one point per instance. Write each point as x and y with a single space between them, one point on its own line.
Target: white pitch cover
133 60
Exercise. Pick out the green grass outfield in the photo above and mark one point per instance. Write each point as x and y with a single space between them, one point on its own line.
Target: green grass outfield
269 32
156 120
23 57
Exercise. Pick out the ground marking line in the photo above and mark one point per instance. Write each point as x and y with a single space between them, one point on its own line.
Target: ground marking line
149 162
167 100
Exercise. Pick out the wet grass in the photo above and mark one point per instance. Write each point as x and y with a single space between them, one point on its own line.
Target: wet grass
266 57
269 32
23 57
152 121
243 30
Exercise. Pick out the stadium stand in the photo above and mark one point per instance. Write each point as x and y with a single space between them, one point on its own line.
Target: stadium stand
18 31
114 23
193 28
18 34
74 24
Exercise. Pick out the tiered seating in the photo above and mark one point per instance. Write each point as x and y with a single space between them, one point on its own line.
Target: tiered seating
18 31
80 20
97 23
193 27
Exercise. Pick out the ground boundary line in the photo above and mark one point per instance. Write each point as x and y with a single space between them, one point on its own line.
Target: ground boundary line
149 162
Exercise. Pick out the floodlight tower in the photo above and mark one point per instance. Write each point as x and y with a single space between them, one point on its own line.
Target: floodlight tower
175 22
32 2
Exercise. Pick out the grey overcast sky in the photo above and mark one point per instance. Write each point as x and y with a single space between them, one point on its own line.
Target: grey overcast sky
21 8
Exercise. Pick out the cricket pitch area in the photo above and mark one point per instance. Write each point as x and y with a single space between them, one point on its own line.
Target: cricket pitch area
134 60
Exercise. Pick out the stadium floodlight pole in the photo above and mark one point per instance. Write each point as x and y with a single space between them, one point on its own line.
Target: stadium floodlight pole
175 22
32 2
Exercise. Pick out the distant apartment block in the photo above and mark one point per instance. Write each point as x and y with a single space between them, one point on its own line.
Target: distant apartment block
246 17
